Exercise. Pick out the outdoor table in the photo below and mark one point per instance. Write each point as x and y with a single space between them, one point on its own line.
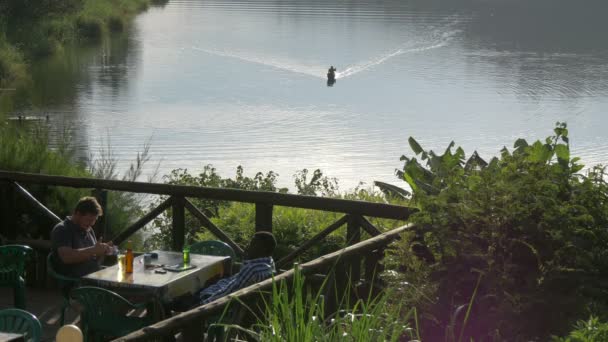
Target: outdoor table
10 337
164 287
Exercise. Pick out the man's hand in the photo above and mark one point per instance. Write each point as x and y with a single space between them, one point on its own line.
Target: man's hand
101 248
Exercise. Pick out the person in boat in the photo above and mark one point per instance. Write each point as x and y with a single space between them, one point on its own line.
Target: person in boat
331 73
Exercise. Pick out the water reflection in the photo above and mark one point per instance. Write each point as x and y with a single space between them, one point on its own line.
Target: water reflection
232 83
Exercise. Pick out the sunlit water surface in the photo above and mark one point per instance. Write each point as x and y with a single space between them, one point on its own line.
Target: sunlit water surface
243 83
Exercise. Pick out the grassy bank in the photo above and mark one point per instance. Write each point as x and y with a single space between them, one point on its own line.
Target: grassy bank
26 147
29 32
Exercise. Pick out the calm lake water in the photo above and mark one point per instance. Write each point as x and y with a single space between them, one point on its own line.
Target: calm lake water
239 82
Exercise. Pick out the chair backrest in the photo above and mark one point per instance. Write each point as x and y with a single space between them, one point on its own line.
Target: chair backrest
50 270
213 247
12 263
105 312
21 322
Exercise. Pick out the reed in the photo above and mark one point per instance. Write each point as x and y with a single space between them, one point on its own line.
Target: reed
295 313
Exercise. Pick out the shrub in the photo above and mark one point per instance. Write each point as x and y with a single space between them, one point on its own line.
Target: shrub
115 24
527 221
591 330
291 226
89 27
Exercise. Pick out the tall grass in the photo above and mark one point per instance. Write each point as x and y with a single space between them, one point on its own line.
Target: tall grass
297 314
27 148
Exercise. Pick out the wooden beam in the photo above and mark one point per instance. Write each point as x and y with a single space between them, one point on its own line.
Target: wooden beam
369 227
122 236
8 210
263 217
353 236
32 200
288 200
178 215
180 321
205 221
101 226
315 239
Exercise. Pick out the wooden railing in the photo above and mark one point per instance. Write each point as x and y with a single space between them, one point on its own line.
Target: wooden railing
190 323
358 261
178 202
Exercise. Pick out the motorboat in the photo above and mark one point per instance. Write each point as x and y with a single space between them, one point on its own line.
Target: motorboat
331 76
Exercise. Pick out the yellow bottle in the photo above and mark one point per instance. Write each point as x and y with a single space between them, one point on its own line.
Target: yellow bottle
129 258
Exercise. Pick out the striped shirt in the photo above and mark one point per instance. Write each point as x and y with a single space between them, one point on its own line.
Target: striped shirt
252 271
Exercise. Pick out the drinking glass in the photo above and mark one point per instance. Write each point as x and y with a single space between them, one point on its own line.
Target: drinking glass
122 262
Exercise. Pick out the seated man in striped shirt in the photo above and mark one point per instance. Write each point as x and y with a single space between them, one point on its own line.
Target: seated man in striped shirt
258 266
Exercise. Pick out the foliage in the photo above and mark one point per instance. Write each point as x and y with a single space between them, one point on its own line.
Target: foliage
298 314
27 148
527 220
591 330
291 226
209 177
318 184
13 73
33 29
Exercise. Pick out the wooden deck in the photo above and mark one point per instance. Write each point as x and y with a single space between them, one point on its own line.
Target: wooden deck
45 304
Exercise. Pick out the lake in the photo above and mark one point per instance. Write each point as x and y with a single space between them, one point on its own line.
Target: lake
244 83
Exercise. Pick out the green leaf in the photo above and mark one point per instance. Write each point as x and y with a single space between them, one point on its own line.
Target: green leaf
562 152
392 190
576 168
475 161
540 153
415 146
449 149
410 181
520 143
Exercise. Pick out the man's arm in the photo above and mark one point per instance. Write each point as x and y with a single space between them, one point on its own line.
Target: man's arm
244 278
69 255
62 242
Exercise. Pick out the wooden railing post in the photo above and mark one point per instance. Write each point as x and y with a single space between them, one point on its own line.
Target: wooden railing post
8 210
372 265
179 223
353 236
101 226
263 217
193 331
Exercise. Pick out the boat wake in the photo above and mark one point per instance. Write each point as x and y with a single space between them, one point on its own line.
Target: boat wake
288 65
440 40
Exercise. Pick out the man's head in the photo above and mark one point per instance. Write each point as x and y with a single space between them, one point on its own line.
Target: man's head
86 212
262 245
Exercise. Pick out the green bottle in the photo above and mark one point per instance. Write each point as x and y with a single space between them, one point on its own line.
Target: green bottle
186 255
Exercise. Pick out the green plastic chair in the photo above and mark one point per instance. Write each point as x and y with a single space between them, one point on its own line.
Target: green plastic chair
105 314
18 321
12 270
213 247
65 284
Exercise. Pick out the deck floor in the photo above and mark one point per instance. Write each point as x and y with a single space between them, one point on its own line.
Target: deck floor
45 304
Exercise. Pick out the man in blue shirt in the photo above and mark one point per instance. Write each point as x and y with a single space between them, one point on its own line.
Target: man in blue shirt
76 251
258 266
